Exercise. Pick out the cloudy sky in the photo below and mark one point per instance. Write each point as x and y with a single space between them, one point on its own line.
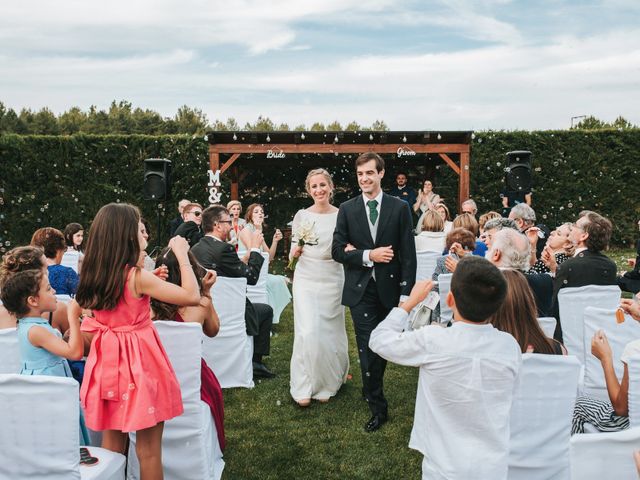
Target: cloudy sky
451 64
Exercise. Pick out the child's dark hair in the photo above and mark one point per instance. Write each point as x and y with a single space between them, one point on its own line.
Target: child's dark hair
478 288
19 259
69 231
167 311
112 249
18 288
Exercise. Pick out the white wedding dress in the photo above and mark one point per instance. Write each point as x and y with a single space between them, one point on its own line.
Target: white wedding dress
320 358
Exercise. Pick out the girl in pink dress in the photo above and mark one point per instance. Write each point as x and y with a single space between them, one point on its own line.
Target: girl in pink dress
129 384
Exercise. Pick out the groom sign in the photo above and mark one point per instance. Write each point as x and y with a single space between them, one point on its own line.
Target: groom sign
373 240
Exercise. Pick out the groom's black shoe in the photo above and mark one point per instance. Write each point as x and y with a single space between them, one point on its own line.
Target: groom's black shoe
375 422
260 370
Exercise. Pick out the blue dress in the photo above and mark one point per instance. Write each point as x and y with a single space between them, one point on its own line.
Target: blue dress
63 279
38 361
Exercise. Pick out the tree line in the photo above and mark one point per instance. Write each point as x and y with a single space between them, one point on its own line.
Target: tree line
121 118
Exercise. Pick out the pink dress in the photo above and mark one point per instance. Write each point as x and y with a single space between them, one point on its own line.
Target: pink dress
129 383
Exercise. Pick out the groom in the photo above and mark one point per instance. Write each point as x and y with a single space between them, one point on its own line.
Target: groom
373 240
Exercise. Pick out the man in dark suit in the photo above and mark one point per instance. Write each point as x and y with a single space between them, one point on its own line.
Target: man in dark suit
590 234
214 253
402 190
373 240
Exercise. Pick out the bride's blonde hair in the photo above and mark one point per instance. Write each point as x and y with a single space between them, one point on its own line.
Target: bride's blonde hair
325 174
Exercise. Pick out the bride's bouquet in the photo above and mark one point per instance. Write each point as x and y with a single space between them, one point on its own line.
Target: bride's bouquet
306 235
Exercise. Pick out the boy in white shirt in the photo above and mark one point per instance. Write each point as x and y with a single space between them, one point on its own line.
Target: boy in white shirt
467 375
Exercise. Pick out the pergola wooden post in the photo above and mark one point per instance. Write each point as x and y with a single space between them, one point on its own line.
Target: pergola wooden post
272 148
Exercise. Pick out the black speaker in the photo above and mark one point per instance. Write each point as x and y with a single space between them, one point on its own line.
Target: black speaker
518 171
157 179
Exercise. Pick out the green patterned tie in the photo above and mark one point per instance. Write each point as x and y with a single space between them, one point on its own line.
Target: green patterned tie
373 211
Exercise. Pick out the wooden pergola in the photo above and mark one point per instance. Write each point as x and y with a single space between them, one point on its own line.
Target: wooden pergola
231 151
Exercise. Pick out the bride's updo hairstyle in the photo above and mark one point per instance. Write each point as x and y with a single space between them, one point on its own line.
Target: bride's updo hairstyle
325 174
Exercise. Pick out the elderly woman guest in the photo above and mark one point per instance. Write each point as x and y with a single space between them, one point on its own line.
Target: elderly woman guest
237 223
63 280
432 237
426 200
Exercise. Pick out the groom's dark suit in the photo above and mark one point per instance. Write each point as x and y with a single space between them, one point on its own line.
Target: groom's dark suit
372 292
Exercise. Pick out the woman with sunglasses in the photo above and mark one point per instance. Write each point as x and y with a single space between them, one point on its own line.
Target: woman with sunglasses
191 229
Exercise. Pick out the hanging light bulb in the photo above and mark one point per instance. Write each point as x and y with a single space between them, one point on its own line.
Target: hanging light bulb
336 140
404 139
235 137
268 138
371 137
302 136
439 137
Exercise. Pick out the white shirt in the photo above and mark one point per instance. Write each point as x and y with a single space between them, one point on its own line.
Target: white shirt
579 250
467 378
372 228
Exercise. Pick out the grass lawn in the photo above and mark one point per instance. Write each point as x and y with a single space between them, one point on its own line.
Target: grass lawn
270 437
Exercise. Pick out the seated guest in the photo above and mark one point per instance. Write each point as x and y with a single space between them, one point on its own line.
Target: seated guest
432 237
64 280
460 242
613 415
177 221
190 229
235 210
402 190
559 245
511 249
589 266
469 404
255 223
517 316
493 226
204 314
20 259
214 253
469 206
73 236
525 218
468 221
630 281
482 221
443 211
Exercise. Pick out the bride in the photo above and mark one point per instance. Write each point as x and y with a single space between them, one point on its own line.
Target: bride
320 360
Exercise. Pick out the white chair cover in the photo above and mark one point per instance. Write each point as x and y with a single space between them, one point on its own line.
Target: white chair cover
541 417
258 293
634 390
426 264
70 259
618 335
572 302
548 325
230 352
40 437
190 449
444 284
9 351
604 455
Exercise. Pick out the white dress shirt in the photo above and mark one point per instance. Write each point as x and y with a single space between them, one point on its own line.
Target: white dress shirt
467 377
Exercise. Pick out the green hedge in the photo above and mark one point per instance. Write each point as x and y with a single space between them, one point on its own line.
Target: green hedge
54 180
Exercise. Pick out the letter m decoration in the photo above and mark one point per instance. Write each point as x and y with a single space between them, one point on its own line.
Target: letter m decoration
214 178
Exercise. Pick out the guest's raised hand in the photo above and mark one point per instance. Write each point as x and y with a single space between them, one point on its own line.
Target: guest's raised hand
162 272
381 254
632 307
418 293
277 236
180 246
549 258
450 263
600 347
209 280
457 249
532 235
631 262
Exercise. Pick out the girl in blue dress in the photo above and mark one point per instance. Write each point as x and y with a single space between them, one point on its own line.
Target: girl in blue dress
28 295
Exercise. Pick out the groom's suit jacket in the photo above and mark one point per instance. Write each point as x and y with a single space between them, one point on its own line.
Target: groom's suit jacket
222 257
394 228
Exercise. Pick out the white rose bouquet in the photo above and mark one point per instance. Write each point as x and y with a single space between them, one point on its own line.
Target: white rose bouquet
306 235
